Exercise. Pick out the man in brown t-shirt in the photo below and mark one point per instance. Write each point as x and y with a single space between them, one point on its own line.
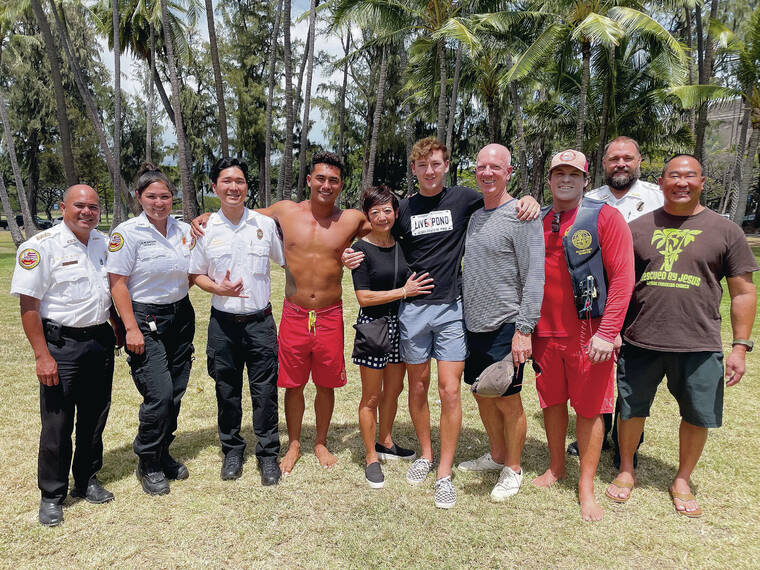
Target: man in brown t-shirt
682 251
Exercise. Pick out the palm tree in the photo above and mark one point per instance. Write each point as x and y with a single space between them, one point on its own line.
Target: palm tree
307 101
189 201
149 103
270 98
29 228
51 50
705 50
285 180
369 179
117 209
217 78
16 235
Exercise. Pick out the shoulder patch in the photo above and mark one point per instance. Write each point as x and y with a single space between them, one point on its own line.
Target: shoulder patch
116 242
29 258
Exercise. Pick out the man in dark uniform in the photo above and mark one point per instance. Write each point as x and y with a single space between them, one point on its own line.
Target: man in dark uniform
61 281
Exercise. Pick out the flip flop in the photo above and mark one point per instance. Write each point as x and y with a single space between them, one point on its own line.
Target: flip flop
685 497
620 485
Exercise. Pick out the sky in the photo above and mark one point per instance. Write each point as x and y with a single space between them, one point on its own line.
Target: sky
299 30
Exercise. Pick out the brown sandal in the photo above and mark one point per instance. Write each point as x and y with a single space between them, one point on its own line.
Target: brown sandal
620 485
685 497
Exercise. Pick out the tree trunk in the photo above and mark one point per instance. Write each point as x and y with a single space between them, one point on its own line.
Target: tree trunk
51 50
453 101
149 110
29 228
342 99
298 97
33 171
16 235
441 118
217 78
491 104
585 74
408 126
740 206
736 175
302 154
118 215
270 99
92 110
369 180
689 45
606 96
189 202
705 75
285 180
521 150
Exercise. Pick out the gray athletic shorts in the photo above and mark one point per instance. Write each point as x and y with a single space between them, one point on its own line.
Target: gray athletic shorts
432 330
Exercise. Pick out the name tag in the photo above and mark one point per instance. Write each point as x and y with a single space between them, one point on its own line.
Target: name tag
431 223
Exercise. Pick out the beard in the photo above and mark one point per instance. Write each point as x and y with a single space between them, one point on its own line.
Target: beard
623 180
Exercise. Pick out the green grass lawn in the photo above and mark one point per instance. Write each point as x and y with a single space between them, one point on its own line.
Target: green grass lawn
327 518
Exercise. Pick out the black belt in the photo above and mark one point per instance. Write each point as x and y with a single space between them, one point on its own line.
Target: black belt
258 316
76 333
162 308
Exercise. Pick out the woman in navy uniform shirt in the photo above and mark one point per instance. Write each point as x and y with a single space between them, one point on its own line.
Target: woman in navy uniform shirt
148 262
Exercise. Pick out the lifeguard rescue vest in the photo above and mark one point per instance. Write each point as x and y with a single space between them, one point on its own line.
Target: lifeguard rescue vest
583 255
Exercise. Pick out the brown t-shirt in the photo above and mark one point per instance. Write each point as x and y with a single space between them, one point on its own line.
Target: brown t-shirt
680 261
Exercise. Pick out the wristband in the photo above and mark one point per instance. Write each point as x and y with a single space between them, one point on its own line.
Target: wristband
748 343
403 292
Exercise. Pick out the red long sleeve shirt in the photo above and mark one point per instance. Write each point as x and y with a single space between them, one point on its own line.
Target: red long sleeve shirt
559 317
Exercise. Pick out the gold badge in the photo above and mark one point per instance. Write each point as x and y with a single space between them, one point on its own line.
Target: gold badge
259 233
581 239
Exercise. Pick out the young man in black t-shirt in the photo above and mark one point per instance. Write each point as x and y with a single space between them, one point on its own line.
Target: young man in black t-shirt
431 229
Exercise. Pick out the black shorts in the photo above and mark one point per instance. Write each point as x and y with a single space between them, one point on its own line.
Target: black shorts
488 347
694 378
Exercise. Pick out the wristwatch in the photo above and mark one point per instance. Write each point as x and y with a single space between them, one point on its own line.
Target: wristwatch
525 329
748 343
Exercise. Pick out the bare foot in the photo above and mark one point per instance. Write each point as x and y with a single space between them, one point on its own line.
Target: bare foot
326 459
548 479
287 463
620 489
590 509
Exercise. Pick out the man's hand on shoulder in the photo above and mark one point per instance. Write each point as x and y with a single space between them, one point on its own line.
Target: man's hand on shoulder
197 224
351 259
528 209
736 365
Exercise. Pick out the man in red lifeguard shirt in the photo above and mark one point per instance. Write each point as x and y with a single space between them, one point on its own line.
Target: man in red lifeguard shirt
573 356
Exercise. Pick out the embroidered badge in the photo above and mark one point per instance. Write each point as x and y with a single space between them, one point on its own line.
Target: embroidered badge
116 243
581 239
29 258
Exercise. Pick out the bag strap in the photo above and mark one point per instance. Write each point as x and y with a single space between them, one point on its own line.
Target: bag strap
395 270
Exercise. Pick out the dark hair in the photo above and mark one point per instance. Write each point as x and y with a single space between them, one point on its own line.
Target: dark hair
148 174
374 195
326 157
679 155
227 162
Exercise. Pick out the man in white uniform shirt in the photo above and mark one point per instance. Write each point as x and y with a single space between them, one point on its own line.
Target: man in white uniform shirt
231 261
633 198
61 280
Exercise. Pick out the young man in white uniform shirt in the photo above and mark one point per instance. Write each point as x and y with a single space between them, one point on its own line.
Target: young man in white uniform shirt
232 261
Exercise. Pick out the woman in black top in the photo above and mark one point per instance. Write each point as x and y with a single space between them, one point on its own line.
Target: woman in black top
379 291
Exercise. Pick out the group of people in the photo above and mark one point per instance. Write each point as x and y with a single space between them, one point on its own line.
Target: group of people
477 280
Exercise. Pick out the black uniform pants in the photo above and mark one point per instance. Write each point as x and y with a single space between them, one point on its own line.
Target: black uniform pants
85 372
231 345
161 373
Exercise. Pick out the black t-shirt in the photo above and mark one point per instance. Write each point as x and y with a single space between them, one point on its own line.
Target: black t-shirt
431 231
375 273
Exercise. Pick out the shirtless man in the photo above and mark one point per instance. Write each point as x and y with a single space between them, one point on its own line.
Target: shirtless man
315 233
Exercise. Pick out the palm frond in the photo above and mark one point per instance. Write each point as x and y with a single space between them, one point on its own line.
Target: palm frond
538 51
599 29
635 22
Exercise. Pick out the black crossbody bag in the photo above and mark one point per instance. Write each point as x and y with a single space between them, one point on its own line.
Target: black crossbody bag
372 338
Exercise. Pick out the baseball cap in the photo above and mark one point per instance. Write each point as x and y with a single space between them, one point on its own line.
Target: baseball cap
572 158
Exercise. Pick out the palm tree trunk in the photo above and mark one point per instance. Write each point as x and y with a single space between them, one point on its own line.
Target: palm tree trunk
116 175
298 97
740 205
453 101
585 74
149 107
270 99
705 75
441 133
491 105
408 127
369 180
189 202
342 99
521 149
736 175
606 96
302 154
29 228
285 180
16 235
689 43
51 50
92 111
217 78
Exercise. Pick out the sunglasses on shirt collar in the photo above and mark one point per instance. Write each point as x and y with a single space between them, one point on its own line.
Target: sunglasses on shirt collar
555 223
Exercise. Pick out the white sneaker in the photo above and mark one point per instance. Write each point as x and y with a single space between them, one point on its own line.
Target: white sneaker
482 463
418 471
507 486
445 494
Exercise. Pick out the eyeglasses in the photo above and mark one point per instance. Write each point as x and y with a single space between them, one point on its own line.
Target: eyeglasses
555 223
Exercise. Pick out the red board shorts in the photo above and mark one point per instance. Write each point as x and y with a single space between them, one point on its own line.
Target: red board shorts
564 372
311 342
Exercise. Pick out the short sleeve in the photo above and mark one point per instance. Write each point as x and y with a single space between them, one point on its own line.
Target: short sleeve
739 257
121 252
31 274
198 259
276 252
360 275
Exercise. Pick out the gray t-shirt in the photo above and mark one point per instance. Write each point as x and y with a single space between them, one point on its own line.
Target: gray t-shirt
503 269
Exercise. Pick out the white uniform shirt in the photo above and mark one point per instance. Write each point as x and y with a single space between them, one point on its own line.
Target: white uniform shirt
245 250
68 277
157 266
641 198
